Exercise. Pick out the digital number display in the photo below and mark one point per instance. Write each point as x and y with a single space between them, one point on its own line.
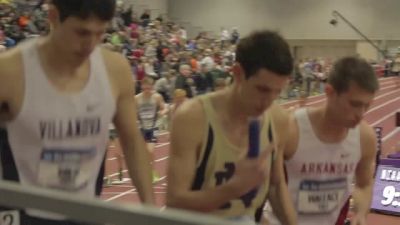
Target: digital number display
386 195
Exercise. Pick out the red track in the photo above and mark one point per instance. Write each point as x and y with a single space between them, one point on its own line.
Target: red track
381 113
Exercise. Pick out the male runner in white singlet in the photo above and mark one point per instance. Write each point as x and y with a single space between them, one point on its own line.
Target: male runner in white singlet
150 107
330 147
58 95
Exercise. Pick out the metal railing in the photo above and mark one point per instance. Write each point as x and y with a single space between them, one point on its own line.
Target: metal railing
91 210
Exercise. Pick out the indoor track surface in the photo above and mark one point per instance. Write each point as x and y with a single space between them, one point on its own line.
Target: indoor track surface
381 114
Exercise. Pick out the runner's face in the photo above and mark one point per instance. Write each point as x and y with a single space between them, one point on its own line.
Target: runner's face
147 88
350 106
259 91
77 37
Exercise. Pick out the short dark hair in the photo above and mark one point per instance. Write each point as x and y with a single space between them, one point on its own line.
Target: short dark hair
264 50
353 69
83 9
148 80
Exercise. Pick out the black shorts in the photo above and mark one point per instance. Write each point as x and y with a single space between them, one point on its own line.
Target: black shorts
148 135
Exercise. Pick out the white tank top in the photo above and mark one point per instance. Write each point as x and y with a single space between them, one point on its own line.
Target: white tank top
147 110
59 140
320 175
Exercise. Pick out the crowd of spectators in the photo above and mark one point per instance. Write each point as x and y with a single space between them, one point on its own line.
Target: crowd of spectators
155 47
161 49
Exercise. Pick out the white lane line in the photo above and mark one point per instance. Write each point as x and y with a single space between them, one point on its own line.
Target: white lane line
161 159
155 148
391 134
321 95
121 194
376 97
132 191
382 105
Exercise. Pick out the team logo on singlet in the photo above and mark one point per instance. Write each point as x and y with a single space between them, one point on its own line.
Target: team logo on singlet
317 196
331 168
223 176
69 128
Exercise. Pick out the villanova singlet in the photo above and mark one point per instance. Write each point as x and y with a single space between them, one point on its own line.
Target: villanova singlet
216 166
58 140
320 175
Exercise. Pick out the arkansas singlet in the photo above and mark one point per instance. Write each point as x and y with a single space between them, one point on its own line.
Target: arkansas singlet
216 166
320 175
58 140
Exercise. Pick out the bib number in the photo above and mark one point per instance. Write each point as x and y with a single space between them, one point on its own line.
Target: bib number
319 197
66 169
9 218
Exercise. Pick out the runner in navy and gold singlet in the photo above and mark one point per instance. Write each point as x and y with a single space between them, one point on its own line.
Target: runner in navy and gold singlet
209 170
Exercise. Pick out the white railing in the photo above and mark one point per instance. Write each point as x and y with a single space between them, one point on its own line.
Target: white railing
90 210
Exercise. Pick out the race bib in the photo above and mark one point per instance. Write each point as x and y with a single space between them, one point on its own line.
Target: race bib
66 169
243 220
147 116
319 197
9 217
147 111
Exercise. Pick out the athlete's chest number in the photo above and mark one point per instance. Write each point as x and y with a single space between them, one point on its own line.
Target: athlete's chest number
9 218
223 176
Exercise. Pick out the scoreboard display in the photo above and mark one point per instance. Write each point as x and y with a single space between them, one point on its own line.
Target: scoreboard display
386 194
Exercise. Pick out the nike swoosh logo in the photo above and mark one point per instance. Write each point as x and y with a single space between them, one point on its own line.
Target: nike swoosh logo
91 108
344 155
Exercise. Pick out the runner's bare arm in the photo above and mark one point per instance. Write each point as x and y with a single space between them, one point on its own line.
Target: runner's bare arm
4 98
163 110
135 151
10 73
362 194
279 195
